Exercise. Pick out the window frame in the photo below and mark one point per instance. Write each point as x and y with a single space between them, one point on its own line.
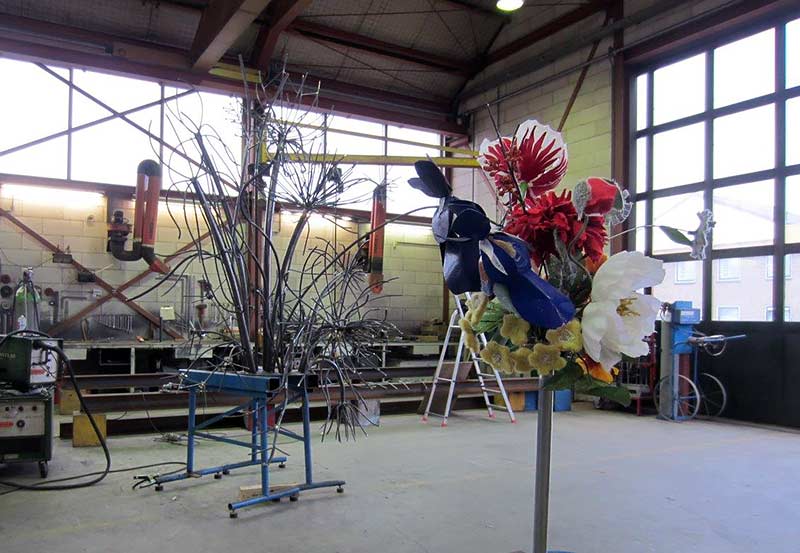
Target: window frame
770 271
692 280
728 278
170 92
645 63
736 307
787 313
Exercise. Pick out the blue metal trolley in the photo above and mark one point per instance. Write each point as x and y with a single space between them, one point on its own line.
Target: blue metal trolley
260 389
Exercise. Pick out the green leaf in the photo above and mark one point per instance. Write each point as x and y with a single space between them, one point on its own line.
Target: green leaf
523 190
676 236
491 319
565 378
614 393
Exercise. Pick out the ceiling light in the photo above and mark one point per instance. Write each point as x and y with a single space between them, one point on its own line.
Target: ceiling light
509 5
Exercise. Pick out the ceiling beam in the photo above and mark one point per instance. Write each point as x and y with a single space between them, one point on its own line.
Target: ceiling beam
569 46
34 40
378 47
221 24
548 29
279 15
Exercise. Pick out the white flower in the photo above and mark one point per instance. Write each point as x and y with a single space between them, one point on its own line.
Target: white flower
618 318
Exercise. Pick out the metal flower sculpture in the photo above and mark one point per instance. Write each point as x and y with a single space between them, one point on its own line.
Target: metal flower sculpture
476 259
533 161
541 307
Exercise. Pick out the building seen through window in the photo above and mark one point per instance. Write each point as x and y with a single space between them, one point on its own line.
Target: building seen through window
719 129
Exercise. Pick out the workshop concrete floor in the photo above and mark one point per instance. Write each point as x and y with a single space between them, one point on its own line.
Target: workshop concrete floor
620 484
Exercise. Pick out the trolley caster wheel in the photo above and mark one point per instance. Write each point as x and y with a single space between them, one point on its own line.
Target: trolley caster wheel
226 472
277 500
340 490
159 488
217 475
233 514
294 498
43 469
282 466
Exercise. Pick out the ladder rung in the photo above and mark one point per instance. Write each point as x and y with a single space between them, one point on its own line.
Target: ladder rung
501 408
493 390
488 375
443 378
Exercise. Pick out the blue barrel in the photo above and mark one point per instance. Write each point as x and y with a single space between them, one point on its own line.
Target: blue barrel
562 400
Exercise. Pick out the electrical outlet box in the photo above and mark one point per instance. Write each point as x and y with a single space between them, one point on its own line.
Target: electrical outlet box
167 313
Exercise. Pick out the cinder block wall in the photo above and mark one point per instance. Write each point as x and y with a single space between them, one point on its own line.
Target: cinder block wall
411 257
587 131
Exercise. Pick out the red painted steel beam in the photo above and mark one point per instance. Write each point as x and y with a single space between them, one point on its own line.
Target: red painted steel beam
69 321
548 29
378 47
99 281
221 24
280 14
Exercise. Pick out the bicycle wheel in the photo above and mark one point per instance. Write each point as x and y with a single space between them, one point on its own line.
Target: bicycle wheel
715 398
688 403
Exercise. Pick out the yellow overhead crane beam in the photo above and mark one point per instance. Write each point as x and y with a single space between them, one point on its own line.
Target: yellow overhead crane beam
232 71
356 159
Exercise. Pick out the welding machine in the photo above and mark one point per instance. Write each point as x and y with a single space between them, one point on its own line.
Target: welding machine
26 427
25 364
28 373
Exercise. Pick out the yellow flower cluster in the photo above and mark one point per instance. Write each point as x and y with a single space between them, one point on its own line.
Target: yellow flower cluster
547 359
515 329
470 340
520 359
476 306
544 358
498 357
567 337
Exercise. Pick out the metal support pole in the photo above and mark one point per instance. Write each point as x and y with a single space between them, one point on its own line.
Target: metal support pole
254 429
541 492
264 444
190 431
307 436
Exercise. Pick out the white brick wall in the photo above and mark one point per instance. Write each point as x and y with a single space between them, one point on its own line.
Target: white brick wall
410 255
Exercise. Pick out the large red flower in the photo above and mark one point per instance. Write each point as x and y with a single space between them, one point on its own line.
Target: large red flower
603 196
542 157
552 213
536 155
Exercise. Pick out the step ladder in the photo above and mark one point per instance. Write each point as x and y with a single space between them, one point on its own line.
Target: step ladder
483 377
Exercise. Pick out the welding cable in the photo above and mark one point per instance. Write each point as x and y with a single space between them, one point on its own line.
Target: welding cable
115 471
100 475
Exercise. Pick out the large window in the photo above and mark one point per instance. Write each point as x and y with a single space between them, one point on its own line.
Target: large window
719 128
74 124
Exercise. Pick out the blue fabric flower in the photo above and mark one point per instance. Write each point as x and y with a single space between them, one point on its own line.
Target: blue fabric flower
507 264
463 232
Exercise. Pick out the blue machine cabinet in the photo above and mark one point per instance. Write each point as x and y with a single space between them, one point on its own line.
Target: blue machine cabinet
260 390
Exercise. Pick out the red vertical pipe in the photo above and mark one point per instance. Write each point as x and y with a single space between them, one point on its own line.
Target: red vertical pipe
138 214
151 210
376 239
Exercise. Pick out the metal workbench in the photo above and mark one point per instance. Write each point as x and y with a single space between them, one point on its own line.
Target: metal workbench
260 391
